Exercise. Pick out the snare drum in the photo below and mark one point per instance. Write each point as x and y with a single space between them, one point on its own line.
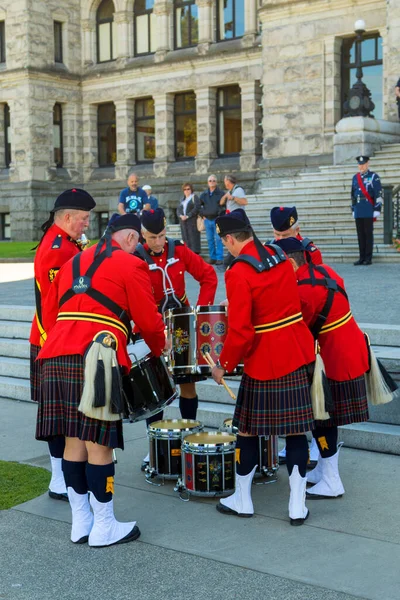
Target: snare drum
148 387
268 462
165 441
211 330
208 464
181 325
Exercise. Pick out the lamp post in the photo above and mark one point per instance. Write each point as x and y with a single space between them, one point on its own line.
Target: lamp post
359 102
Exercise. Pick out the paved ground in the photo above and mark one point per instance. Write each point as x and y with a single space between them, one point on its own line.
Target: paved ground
374 291
348 549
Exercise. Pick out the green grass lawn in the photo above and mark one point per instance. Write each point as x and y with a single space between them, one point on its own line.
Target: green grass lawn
20 483
17 250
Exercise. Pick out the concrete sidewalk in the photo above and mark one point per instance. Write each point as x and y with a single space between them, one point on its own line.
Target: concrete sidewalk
349 548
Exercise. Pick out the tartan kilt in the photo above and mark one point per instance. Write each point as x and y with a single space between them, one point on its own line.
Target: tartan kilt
350 402
61 390
35 373
275 407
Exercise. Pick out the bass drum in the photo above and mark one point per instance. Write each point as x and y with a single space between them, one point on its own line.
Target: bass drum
165 441
208 464
148 388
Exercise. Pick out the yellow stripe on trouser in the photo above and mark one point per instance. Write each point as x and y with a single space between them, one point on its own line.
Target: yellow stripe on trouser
94 318
279 324
336 324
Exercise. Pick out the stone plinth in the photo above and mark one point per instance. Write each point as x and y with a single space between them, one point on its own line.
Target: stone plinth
361 135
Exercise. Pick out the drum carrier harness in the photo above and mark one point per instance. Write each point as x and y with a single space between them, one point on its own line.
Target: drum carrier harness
82 284
266 260
170 299
331 285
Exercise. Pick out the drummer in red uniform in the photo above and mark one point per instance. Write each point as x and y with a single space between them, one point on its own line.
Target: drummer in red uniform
67 222
284 220
87 315
326 310
169 260
265 325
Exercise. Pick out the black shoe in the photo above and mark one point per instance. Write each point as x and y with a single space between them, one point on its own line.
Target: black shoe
359 262
56 496
225 510
298 522
133 535
144 465
367 262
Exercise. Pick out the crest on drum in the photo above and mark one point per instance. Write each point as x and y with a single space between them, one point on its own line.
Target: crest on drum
220 328
181 340
205 328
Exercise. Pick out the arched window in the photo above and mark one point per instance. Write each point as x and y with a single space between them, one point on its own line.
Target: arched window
7 136
58 135
230 18
145 27
371 64
186 29
106 33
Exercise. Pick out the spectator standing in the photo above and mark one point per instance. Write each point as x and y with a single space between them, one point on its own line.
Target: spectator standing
210 209
151 202
235 197
187 211
132 198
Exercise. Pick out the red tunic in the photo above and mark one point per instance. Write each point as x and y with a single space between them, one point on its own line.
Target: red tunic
187 261
258 299
313 252
124 278
343 349
55 249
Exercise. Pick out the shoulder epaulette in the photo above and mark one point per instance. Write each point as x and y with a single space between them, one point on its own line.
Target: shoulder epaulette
57 242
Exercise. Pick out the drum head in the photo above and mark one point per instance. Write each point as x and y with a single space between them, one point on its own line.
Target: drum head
213 308
139 350
228 422
174 424
183 310
207 438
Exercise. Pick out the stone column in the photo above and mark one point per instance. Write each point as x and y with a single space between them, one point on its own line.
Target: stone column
89 42
164 123
205 25
124 26
250 22
332 85
72 123
21 167
251 129
90 142
163 10
125 116
2 138
206 102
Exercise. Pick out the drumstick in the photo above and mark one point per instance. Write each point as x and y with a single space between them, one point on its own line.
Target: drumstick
211 363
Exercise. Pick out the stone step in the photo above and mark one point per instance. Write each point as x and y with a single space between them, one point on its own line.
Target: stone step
14 367
10 312
382 335
17 348
15 388
15 330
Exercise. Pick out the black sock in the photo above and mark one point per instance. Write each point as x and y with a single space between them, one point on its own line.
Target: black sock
100 480
246 453
75 475
157 417
57 446
188 407
297 453
326 438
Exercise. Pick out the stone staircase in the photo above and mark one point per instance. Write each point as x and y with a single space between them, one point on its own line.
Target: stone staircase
323 203
380 434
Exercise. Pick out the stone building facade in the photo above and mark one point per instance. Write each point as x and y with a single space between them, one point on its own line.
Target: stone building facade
281 58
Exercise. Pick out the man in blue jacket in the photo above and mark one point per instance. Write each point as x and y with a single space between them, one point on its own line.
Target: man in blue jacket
132 199
366 204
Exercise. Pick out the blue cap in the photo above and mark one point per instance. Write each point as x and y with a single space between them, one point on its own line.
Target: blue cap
154 220
290 245
283 217
128 221
362 159
232 222
75 199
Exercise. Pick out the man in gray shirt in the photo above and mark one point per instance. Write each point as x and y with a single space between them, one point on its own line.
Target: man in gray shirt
235 196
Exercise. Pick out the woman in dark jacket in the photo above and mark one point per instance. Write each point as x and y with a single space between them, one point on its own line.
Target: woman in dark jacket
187 211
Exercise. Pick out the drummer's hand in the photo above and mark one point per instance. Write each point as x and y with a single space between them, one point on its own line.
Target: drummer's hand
224 303
217 374
168 345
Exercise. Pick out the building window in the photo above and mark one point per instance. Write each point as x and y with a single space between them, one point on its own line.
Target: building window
58 135
5 221
2 42
7 136
107 134
185 126
58 42
102 222
106 32
186 28
230 19
145 130
371 63
145 27
229 126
